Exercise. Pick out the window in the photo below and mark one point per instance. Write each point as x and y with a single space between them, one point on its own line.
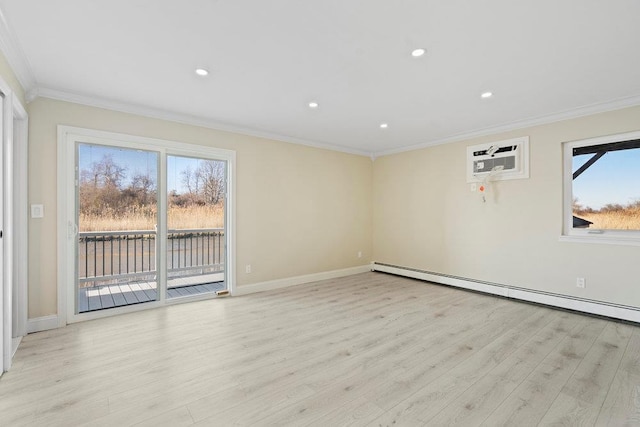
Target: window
602 189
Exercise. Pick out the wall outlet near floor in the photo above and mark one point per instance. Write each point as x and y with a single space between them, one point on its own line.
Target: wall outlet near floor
247 269
581 282
359 254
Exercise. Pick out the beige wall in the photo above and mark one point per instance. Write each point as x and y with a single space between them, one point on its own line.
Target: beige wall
300 210
425 217
10 78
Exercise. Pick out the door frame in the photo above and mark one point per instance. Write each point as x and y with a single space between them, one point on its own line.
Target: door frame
67 138
20 218
13 289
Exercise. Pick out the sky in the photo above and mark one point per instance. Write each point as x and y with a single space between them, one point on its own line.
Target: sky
614 178
137 162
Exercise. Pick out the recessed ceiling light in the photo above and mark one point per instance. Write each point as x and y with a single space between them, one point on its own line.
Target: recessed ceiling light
486 95
313 105
418 52
202 72
384 125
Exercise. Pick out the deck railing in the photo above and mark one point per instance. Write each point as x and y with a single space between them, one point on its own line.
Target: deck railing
111 255
195 248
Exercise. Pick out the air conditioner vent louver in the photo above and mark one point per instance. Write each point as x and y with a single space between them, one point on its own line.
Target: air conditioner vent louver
508 163
511 157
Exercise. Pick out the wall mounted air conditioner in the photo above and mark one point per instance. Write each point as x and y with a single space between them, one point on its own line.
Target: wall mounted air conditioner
503 160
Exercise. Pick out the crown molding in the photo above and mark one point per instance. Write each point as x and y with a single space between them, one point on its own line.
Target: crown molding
16 58
586 110
155 113
140 110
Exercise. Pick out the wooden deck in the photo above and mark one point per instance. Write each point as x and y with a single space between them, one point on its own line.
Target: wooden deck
137 292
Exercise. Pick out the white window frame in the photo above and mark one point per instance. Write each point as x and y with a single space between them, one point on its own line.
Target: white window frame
582 235
67 138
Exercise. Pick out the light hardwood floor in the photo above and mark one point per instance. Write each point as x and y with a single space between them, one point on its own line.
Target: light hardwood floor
369 349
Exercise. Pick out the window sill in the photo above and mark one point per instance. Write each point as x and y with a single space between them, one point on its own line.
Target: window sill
602 239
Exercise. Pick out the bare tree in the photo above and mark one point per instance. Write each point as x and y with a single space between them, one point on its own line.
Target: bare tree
107 173
143 189
211 174
102 189
204 186
576 205
101 186
187 180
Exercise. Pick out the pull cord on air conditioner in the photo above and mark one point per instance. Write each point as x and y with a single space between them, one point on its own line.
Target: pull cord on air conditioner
486 181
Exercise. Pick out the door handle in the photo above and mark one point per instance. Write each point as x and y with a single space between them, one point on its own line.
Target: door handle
72 230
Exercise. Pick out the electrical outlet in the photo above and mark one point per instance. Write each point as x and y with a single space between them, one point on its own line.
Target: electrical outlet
359 254
473 187
37 211
247 269
580 282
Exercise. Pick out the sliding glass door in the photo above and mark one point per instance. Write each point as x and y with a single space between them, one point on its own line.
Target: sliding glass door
196 193
149 226
117 208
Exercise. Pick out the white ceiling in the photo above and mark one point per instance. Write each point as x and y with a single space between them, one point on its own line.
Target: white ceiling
542 59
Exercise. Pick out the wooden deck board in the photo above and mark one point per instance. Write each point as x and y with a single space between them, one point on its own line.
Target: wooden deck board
138 292
211 287
182 291
173 293
95 302
118 298
83 300
191 290
106 300
149 289
208 287
129 296
118 295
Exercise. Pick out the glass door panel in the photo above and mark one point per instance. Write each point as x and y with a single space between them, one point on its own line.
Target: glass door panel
195 226
117 209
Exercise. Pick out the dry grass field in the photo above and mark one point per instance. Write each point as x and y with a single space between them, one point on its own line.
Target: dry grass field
179 218
624 219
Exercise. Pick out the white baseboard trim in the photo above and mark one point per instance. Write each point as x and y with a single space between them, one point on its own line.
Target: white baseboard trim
299 280
44 323
587 306
15 343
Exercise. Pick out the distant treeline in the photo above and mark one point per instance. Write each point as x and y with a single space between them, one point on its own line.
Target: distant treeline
579 209
106 189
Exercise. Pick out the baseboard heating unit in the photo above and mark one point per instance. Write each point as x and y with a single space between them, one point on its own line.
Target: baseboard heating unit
600 308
